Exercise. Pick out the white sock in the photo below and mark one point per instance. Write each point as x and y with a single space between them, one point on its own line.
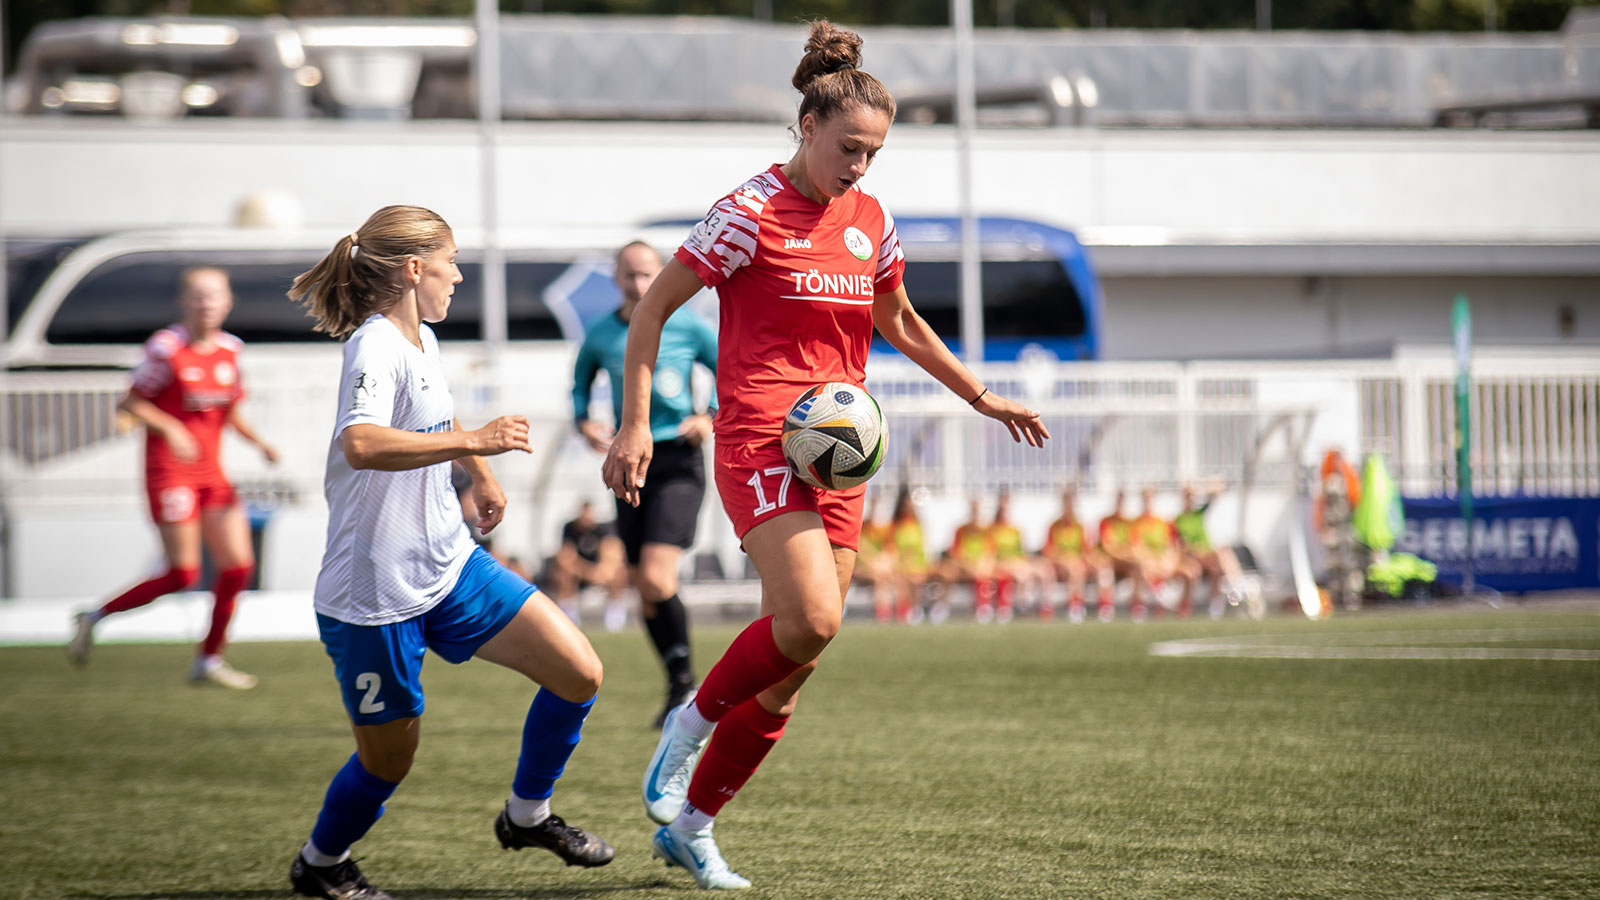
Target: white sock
317 858
94 616
526 813
690 720
693 818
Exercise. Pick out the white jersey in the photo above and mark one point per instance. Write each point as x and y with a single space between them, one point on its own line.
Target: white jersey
396 540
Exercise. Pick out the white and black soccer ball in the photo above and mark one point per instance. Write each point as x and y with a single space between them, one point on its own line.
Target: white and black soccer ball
834 436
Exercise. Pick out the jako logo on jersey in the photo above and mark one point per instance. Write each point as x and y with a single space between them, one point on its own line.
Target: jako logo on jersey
797 244
437 427
856 242
829 284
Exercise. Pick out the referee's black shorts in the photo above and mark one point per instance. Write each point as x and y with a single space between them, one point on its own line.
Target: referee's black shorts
669 503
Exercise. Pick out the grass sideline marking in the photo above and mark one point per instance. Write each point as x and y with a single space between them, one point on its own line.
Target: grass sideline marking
1385 645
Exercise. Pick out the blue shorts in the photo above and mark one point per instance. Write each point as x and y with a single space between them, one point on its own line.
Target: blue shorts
379 667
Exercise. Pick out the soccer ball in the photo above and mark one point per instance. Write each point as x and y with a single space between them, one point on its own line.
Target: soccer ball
834 437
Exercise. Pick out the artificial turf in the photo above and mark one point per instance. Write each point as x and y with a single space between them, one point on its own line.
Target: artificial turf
1030 760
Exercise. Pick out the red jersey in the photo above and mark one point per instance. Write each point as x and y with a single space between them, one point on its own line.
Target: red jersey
196 387
795 281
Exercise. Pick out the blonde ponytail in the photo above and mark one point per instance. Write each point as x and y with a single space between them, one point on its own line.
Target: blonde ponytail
361 274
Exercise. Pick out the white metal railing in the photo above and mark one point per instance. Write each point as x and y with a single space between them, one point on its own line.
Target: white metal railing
1256 427
1536 423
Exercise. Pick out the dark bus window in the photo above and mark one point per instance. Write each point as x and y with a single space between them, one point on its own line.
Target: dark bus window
1021 298
125 302
28 264
527 317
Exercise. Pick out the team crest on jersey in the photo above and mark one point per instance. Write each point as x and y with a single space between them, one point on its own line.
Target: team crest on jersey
225 373
856 242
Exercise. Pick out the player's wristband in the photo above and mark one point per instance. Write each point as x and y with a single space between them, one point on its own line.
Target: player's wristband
974 400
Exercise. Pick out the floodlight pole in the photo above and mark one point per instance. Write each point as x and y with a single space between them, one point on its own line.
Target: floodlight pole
966 115
493 329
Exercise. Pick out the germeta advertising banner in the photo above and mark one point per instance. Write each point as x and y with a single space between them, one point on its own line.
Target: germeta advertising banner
1518 543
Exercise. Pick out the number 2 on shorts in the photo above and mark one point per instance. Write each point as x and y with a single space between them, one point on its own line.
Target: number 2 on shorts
372 683
762 505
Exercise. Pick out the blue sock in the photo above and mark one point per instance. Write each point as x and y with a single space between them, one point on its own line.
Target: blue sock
549 736
353 804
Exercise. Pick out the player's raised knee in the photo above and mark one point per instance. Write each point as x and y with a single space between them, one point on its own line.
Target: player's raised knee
581 681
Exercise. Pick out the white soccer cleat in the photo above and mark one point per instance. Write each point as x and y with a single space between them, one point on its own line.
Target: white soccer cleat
221 674
696 852
82 638
666 781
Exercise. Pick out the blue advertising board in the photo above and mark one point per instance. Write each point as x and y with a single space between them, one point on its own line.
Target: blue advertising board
1519 543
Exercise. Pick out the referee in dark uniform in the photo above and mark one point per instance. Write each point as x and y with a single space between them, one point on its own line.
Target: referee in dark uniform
655 533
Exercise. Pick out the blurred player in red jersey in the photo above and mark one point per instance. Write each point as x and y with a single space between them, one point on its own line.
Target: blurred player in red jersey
805 264
185 392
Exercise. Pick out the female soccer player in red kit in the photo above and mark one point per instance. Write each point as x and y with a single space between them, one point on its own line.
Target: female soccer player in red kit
805 264
185 393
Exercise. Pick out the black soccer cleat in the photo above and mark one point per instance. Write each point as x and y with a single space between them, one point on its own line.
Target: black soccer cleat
340 881
575 846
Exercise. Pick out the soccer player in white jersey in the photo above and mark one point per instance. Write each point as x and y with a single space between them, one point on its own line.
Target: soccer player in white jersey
401 575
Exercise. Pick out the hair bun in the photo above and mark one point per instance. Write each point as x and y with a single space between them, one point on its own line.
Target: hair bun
829 49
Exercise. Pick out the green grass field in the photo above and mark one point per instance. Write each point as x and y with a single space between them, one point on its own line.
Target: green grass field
960 762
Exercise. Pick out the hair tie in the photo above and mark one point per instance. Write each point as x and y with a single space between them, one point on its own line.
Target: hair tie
354 244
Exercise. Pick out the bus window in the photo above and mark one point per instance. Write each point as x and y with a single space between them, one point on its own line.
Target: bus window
1022 298
125 301
28 264
528 319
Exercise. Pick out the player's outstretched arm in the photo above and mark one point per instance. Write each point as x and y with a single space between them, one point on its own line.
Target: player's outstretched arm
907 332
368 446
629 456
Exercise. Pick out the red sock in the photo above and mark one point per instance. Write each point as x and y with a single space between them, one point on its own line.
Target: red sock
1005 589
145 591
738 746
750 665
229 583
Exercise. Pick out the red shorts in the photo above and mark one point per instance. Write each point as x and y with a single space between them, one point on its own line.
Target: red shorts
174 501
757 483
